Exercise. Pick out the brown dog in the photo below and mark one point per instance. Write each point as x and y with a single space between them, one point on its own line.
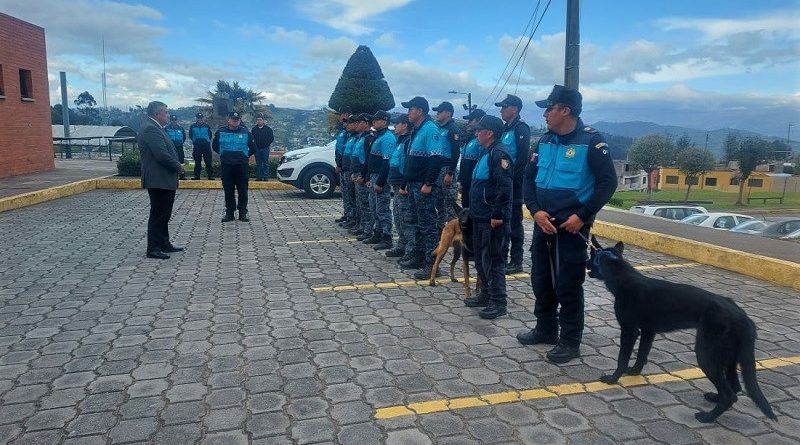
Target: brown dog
457 233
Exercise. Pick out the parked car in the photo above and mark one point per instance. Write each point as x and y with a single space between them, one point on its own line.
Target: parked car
751 227
668 211
781 228
716 220
793 236
312 169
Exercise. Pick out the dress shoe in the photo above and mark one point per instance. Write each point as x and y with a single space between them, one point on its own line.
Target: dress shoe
534 337
243 217
513 268
157 254
340 219
386 243
374 239
476 302
171 248
227 217
425 272
412 262
563 353
492 311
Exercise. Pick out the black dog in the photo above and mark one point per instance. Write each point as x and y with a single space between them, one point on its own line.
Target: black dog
725 334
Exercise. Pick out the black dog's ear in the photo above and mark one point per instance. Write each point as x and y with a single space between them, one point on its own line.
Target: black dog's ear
619 247
596 244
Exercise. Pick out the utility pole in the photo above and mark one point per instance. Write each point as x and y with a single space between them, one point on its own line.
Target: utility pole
468 106
788 132
65 111
572 49
706 140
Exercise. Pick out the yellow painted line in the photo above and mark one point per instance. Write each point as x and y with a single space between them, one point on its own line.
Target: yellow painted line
48 194
445 280
304 216
187 184
499 398
341 240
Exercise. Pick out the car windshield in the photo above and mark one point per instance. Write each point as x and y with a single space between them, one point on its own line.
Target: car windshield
694 219
754 224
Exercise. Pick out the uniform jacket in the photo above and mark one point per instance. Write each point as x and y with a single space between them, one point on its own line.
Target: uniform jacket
397 163
358 155
470 154
451 144
262 136
425 153
380 151
200 132
491 186
517 137
160 164
570 174
176 134
347 153
341 140
234 146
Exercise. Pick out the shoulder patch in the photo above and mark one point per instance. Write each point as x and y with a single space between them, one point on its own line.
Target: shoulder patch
504 164
455 136
601 145
589 130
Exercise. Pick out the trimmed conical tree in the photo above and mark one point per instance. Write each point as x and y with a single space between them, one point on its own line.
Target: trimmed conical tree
362 86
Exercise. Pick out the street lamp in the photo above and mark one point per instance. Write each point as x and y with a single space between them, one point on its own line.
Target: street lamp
468 106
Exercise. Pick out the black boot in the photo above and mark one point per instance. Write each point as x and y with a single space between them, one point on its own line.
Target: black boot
397 252
228 217
563 353
340 219
374 239
355 230
386 243
492 311
350 224
243 217
415 261
481 300
536 337
364 236
513 267
425 272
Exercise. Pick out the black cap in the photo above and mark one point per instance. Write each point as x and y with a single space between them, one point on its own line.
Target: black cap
381 115
417 102
234 115
563 95
363 117
353 118
345 109
199 115
510 101
476 114
444 106
401 119
491 123
259 116
172 117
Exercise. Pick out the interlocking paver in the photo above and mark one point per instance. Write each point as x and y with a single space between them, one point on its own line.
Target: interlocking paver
229 342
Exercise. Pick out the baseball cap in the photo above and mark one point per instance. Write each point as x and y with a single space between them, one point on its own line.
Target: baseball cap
234 115
510 101
475 114
401 119
444 106
417 102
563 95
492 123
381 115
198 115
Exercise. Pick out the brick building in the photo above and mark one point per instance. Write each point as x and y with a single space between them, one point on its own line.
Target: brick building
26 143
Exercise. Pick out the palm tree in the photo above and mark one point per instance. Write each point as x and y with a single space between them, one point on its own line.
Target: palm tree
244 100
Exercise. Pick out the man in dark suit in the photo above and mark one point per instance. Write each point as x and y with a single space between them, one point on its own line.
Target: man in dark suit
160 170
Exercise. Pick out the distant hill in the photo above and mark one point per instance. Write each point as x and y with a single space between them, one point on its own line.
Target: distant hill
716 138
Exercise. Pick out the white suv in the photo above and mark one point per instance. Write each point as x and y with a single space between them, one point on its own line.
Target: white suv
312 169
669 212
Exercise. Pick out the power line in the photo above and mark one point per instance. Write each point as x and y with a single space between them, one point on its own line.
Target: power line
513 53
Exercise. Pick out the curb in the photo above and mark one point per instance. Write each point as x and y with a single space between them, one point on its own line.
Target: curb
186 184
48 194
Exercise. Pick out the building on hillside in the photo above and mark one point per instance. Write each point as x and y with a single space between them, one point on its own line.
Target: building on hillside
629 178
761 180
25 139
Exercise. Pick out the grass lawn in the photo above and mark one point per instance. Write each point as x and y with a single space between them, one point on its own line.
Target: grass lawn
720 200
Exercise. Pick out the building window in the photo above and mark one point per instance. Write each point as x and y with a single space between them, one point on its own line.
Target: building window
25 84
2 86
672 179
644 180
734 181
690 180
755 183
711 182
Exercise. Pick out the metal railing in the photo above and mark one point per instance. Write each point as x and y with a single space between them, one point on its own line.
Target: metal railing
85 146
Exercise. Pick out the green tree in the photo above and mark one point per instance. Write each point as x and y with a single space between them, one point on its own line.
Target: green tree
731 146
85 99
362 86
750 152
694 162
649 153
244 100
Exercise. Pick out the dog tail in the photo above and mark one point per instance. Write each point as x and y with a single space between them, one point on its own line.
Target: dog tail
747 362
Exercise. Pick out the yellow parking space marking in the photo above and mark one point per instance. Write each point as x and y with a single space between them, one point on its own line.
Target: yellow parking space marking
341 240
437 406
304 216
445 280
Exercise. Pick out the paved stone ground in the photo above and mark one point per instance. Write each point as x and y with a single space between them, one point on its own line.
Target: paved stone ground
66 171
228 343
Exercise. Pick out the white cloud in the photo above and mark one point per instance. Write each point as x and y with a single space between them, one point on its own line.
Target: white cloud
438 47
775 23
348 16
387 40
335 49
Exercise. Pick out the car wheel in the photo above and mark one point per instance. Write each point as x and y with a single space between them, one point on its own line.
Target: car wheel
319 183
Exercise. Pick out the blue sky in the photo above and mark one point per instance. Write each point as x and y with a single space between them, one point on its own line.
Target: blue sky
704 64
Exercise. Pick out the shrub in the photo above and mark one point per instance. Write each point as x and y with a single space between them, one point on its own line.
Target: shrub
129 164
616 202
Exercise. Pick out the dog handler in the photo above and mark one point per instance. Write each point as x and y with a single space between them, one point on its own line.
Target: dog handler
490 209
569 178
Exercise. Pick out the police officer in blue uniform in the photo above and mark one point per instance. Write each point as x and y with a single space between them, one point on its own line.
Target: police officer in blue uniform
341 140
451 141
354 223
235 145
490 209
358 172
380 150
177 135
405 218
470 154
517 137
200 134
568 180
423 165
